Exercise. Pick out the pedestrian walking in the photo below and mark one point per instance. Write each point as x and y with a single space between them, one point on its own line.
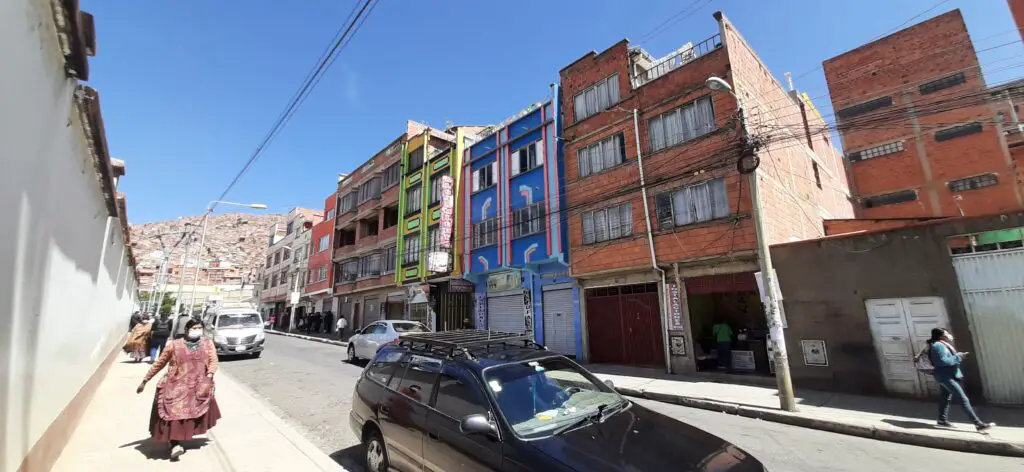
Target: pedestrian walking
328 323
135 319
723 342
138 340
161 331
342 323
184 404
945 367
180 324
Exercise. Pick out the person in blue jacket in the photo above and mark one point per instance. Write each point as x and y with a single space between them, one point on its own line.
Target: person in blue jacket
946 370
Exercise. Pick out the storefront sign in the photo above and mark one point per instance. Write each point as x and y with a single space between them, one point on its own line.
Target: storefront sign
743 360
481 310
675 316
502 281
447 212
437 261
677 345
814 352
528 311
460 286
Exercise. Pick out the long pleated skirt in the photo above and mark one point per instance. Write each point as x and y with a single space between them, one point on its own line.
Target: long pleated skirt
181 430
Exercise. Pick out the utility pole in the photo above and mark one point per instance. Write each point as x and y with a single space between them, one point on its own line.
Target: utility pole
295 289
199 262
778 341
184 267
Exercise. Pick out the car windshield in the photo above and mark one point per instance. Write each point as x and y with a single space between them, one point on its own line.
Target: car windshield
409 327
246 320
538 397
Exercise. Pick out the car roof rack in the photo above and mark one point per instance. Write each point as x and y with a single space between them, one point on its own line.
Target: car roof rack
466 341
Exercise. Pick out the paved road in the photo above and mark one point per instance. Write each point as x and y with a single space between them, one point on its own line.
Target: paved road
311 387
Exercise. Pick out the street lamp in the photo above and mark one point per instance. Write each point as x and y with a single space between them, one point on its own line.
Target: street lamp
202 241
782 375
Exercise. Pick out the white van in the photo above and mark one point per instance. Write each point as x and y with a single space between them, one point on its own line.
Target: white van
236 331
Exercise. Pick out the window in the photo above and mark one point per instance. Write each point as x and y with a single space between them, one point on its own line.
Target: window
383 366
411 252
416 160
298 254
391 175
413 200
458 394
943 83
388 265
266 283
890 198
347 202
277 257
369 266
682 124
817 174
596 98
369 190
527 157
958 131
349 271
485 233
435 187
528 220
692 204
866 107
325 243
285 254
419 379
608 223
433 239
484 177
877 151
973 183
332 213
602 155
390 217
290 227
269 258
370 227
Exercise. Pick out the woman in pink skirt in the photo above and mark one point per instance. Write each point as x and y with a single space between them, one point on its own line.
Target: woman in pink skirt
184 404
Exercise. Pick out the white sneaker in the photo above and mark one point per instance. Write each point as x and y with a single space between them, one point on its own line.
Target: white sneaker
176 452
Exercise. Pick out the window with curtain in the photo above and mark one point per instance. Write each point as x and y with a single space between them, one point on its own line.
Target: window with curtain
682 124
692 204
608 223
411 252
391 175
602 155
416 160
435 186
596 98
388 264
413 200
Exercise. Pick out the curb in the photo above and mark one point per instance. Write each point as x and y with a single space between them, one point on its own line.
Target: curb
309 338
978 446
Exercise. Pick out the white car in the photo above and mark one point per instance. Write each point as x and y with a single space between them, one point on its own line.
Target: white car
364 344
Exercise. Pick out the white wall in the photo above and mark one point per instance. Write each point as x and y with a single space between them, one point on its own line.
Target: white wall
66 290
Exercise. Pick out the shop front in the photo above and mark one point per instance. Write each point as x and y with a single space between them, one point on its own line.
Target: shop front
728 324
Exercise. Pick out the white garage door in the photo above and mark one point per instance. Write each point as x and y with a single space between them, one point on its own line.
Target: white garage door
559 325
505 311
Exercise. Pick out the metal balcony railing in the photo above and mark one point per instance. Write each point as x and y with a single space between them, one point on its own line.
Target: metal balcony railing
678 58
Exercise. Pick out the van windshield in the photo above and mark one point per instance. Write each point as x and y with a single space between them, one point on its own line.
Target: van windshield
247 320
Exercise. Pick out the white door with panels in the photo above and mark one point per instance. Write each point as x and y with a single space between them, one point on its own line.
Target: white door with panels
559 327
900 328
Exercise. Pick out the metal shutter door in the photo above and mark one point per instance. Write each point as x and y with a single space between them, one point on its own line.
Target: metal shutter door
505 312
559 327
371 310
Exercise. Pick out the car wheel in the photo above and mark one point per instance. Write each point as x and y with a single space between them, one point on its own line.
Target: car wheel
351 353
376 453
256 355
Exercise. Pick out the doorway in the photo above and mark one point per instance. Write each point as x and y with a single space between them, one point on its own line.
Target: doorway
900 328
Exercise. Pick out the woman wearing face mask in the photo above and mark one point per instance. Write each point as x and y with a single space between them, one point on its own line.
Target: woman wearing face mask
184 404
946 369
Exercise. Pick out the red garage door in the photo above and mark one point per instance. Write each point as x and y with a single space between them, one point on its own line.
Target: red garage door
623 325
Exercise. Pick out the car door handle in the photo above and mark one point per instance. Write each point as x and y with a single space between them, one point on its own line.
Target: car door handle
434 436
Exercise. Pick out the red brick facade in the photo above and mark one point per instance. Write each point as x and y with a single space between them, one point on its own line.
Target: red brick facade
1017 10
904 67
318 258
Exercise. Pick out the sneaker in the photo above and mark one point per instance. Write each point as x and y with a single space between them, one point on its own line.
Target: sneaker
176 452
944 424
983 427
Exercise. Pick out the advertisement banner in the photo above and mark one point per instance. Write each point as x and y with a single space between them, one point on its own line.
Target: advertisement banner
675 319
447 213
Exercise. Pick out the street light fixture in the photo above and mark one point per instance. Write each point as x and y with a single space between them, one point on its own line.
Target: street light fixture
782 375
202 241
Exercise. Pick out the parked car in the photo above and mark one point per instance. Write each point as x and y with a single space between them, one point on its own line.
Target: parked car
365 343
236 331
478 400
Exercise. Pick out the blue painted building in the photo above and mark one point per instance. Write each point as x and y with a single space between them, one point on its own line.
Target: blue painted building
515 232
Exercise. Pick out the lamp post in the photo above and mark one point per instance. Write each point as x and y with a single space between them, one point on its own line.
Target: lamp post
778 341
202 241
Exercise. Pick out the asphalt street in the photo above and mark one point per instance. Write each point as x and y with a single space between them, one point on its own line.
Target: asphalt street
310 385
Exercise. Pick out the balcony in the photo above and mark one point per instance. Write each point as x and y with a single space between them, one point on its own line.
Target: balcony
646 69
343 251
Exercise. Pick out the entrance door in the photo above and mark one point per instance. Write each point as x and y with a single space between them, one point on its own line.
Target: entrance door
901 327
371 310
992 286
559 323
624 325
505 311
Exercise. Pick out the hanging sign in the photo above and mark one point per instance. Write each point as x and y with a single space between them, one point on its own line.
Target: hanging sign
675 319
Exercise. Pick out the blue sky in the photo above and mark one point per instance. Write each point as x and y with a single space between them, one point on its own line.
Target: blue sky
189 88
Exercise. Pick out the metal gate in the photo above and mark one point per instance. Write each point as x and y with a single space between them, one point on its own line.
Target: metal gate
992 286
559 323
505 311
624 325
454 310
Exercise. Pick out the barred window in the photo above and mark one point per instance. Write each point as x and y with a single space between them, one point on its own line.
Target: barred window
943 83
369 266
973 183
866 107
958 131
877 151
890 198
528 220
485 233
608 223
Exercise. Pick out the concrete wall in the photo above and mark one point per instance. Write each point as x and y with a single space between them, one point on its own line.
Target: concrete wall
66 281
827 281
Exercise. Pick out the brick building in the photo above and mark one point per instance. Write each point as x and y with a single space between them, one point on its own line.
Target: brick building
319 273
285 269
704 242
919 127
1017 10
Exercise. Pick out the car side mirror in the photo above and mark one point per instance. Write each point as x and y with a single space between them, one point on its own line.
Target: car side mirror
609 383
476 424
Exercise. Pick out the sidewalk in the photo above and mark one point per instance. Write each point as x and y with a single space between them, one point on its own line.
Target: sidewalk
885 419
113 433
317 337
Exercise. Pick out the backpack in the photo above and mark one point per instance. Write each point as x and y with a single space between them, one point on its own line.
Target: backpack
162 328
923 361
